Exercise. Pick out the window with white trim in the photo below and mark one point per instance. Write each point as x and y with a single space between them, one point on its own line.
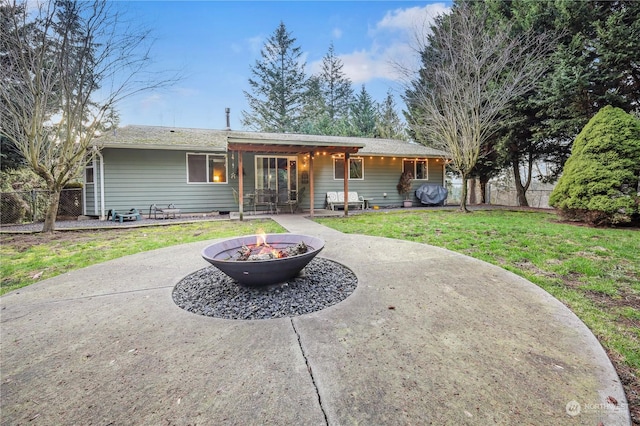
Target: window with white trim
206 168
356 168
418 168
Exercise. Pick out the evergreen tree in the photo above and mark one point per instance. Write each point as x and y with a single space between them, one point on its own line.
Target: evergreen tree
600 179
388 124
278 86
336 86
10 156
327 100
315 120
363 115
594 64
469 76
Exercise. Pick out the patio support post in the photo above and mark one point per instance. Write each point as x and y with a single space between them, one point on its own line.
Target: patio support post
346 184
311 192
240 187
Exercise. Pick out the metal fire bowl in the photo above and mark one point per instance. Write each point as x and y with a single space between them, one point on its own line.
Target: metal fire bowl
262 272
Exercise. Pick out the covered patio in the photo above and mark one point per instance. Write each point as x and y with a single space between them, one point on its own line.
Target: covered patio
302 145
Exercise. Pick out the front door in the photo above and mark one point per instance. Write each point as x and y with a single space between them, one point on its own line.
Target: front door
279 174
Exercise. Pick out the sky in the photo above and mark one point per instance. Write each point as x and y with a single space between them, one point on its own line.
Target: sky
212 45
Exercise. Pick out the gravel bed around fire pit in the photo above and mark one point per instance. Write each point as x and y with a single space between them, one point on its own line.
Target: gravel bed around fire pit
209 292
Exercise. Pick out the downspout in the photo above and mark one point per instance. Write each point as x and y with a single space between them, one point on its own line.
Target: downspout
102 214
84 187
95 187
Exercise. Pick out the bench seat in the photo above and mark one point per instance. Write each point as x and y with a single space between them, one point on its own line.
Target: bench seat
336 199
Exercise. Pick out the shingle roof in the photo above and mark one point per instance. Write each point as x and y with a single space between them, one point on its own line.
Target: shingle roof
374 146
154 137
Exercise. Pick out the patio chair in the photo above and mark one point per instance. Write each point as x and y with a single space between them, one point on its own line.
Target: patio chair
164 212
267 198
295 197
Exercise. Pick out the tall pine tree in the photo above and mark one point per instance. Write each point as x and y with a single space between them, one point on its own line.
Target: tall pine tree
336 86
278 86
363 115
328 99
388 124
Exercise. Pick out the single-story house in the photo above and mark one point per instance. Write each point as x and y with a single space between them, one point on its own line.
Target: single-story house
200 170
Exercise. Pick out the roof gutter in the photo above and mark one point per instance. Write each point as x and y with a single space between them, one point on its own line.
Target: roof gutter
165 147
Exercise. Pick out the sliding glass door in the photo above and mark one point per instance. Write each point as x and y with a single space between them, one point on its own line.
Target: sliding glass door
279 174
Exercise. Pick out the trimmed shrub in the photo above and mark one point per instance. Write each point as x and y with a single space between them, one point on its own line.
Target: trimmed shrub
599 183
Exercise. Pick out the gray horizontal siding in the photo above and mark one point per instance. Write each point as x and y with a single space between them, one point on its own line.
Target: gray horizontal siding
137 178
381 176
90 200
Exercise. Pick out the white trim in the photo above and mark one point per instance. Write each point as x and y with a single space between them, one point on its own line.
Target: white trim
415 167
207 155
257 158
341 158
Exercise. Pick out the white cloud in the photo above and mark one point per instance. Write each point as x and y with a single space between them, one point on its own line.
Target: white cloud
407 20
362 67
391 43
336 33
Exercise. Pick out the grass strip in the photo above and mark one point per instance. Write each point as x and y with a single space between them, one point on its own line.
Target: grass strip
30 258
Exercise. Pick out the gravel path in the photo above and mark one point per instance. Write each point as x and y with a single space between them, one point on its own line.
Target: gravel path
209 292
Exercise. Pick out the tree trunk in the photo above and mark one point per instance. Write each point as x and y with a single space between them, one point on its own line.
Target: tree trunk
472 191
483 190
463 197
52 212
521 190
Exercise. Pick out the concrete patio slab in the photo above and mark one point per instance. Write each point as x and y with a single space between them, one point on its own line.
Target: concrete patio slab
428 337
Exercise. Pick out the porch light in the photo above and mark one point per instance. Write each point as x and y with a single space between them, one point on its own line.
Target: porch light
216 178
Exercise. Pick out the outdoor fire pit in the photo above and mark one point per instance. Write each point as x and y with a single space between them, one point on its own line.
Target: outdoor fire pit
264 259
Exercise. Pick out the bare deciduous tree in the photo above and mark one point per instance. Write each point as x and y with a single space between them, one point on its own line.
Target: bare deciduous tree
65 65
468 76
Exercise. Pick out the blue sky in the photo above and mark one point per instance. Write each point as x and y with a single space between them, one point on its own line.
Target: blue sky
213 45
